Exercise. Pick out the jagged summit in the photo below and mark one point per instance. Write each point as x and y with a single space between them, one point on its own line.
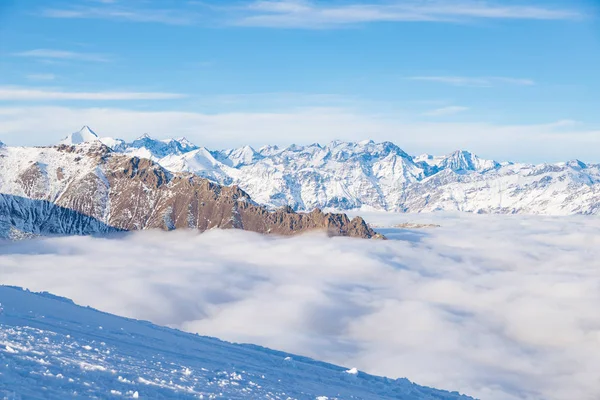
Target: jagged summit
461 160
374 175
245 155
185 142
576 164
85 134
149 147
457 161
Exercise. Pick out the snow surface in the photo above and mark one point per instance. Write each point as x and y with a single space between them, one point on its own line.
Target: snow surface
52 348
381 176
85 134
57 169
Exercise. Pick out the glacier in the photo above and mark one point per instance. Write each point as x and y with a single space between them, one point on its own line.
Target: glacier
380 176
51 348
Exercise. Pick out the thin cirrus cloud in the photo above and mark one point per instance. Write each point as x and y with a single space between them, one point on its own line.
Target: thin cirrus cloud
445 111
28 94
474 81
304 14
497 307
63 55
308 14
113 12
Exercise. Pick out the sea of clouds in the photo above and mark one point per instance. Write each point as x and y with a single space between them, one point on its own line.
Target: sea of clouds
497 307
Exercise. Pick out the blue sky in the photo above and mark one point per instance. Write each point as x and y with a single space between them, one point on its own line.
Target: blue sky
510 79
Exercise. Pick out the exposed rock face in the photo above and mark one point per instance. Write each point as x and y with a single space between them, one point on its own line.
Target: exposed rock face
144 195
130 193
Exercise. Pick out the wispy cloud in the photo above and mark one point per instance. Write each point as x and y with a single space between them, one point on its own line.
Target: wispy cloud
474 81
41 77
312 14
443 111
27 94
309 14
63 55
163 16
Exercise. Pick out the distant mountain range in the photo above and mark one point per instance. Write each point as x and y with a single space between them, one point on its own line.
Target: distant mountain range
82 187
375 176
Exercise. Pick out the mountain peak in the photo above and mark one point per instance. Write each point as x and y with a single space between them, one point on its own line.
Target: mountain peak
294 147
576 164
87 130
85 134
462 160
145 136
458 153
185 142
159 148
244 156
268 150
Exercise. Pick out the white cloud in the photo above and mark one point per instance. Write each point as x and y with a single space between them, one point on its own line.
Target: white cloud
444 111
313 14
27 94
63 55
41 77
498 307
308 14
474 81
562 140
163 16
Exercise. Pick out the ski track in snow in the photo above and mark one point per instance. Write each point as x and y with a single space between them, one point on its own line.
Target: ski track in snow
51 348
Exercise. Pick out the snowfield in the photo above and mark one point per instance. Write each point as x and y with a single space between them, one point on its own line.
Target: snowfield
495 306
53 349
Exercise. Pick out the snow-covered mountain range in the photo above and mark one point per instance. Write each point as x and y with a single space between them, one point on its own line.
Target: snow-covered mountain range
53 349
376 176
85 188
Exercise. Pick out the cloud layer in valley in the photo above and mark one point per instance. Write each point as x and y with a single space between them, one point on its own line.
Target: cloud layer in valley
498 307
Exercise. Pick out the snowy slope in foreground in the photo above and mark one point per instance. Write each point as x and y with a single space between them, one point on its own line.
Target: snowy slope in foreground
52 348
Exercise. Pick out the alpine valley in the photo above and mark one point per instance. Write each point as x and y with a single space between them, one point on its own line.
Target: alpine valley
374 176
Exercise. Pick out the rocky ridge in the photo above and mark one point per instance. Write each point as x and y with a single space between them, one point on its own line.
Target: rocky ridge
88 188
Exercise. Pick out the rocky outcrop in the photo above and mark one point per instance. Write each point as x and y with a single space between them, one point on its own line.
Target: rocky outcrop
144 195
131 193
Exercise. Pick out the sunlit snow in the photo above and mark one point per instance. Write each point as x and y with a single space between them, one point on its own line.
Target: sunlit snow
51 348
